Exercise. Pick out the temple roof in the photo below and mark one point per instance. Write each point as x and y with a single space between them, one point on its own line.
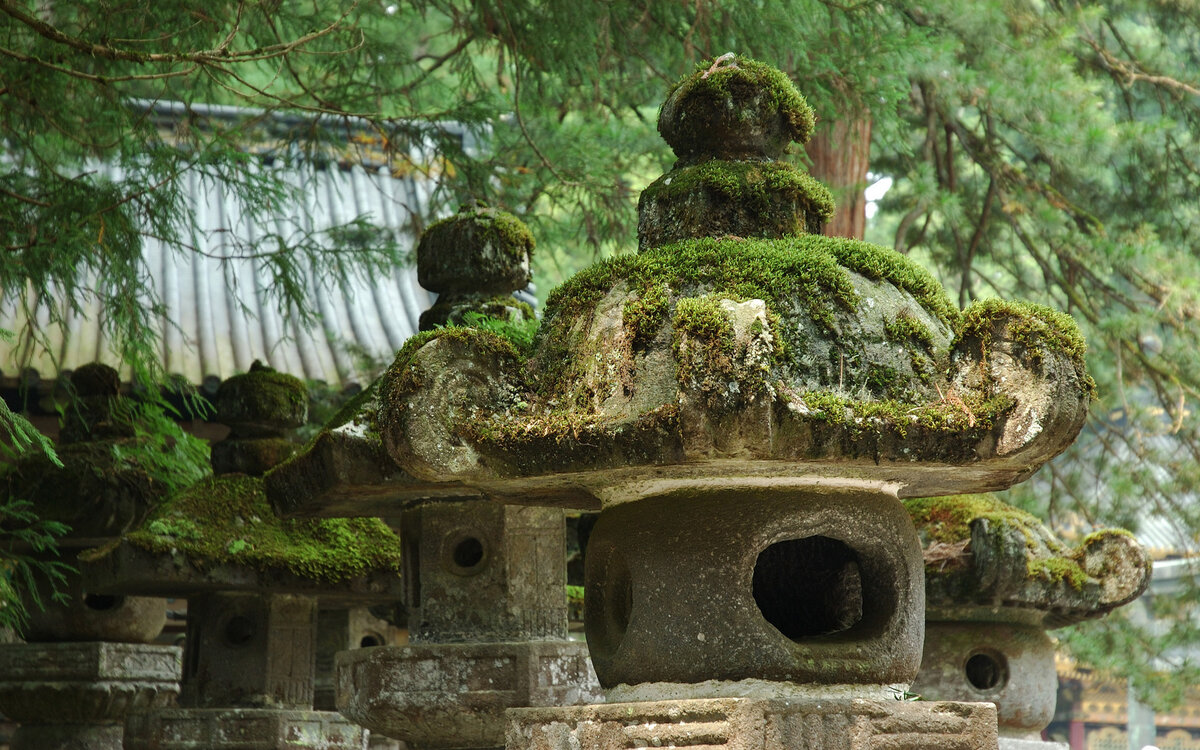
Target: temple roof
222 320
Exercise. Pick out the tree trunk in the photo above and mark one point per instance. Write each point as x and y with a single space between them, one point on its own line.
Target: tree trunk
840 153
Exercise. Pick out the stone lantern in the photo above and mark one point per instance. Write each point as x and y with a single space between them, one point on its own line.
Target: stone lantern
485 582
746 404
996 581
90 661
253 585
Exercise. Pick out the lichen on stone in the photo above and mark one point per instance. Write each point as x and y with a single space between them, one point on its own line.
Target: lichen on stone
227 520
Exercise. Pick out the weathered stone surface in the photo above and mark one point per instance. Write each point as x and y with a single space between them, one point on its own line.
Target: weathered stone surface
477 250
252 650
461 410
1007 663
488 572
984 555
87 682
750 724
93 617
261 401
105 736
455 695
771 584
241 729
254 457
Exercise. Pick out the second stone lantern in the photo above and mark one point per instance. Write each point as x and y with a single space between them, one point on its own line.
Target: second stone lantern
746 403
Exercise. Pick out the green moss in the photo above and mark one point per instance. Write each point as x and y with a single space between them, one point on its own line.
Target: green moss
755 186
877 262
706 89
806 270
228 520
643 315
1058 570
705 324
1035 327
906 329
872 416
948 519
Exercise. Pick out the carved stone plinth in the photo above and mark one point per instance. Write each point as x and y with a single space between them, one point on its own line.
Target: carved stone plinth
77 695
761 724
242 729
454 695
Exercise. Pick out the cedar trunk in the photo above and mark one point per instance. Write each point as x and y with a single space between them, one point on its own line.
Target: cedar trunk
840 154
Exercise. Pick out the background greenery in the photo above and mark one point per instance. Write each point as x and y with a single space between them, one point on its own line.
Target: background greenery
1038 149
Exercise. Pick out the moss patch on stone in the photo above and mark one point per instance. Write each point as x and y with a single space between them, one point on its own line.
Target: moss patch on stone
228 520
871 416
906 329
948 519
808 270
484 224
756 186
1035 327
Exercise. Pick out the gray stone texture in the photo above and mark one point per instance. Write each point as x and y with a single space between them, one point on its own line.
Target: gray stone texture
76 695
252 650
94 617
750 724
1007 663
242 729
342 630
481 571
443 696
696 585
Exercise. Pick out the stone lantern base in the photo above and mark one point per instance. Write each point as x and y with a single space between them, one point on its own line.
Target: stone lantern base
242 729
758 723
77 694
454 695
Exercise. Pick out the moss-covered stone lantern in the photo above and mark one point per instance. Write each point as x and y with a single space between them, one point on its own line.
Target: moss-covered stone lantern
996 580
485 592
475 260
89 661
746 404
253 584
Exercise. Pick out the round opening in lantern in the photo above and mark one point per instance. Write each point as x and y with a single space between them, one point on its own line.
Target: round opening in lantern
809 587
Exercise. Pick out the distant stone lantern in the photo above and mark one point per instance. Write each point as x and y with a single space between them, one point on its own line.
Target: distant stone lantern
746 403
253 585
485 582
996 581
91 661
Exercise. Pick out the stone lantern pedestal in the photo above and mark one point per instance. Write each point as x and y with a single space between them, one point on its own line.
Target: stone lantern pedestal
77 694
485 582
